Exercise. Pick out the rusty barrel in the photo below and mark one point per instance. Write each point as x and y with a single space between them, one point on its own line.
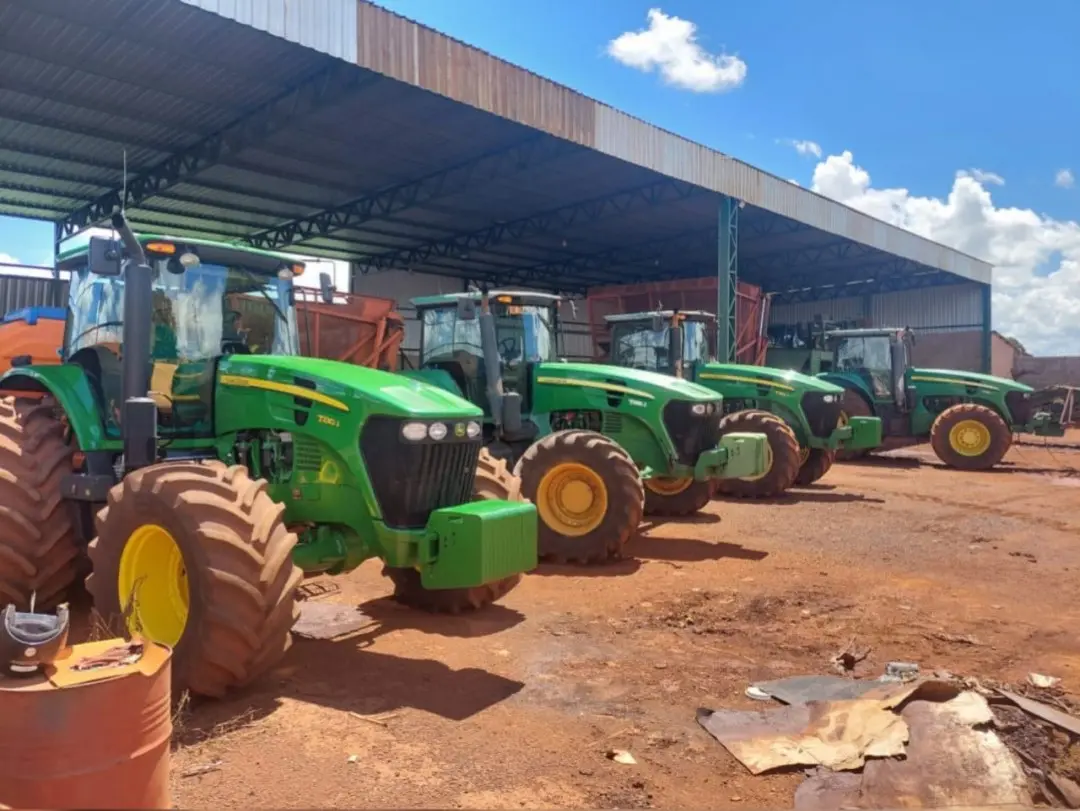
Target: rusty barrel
93 731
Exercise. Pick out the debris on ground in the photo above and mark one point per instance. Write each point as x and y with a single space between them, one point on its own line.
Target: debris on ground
621 756
845 660
206 768
898 741
329 620
839 734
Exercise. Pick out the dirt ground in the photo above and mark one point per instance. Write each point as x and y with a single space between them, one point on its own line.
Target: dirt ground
519 706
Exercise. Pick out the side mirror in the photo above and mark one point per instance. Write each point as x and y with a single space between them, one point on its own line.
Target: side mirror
326 288
466 309
105 256
657 323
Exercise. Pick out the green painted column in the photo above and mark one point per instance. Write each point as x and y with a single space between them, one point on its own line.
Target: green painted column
727 277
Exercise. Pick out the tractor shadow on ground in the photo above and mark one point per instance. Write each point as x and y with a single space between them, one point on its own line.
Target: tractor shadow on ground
644 548
339 675
807 494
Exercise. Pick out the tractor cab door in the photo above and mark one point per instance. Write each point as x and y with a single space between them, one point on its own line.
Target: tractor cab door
903 389
452 344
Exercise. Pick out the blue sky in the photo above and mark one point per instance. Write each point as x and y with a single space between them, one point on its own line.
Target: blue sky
889 102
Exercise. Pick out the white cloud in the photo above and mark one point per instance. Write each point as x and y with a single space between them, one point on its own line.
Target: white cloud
670 45
807 148
984 177
1036 258
1065 179
11 266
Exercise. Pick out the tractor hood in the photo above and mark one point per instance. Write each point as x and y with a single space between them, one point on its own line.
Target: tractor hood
973 378
393 393
744 373
593 375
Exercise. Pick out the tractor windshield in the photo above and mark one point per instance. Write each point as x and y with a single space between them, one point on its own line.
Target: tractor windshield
867 355
203 313
638 345
523 334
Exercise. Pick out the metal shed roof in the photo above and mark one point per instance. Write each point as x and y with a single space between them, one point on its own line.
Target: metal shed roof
339 129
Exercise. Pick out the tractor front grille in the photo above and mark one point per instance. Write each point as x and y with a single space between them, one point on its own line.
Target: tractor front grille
1021 407
411 479
821 417
692 434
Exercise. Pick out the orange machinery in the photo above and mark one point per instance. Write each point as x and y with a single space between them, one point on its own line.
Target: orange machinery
32 335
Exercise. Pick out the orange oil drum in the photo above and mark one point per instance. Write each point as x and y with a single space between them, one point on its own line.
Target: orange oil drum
89 738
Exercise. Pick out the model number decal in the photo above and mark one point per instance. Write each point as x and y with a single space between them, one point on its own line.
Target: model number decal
325 420
638 403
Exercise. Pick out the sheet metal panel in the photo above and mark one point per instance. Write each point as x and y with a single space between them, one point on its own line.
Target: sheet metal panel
17 292
947 308
327 26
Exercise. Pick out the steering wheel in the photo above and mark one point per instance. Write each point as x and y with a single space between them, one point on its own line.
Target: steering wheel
88 330
235 348
508 346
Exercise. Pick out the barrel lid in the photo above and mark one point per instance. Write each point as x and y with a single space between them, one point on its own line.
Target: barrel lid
31 314
63 674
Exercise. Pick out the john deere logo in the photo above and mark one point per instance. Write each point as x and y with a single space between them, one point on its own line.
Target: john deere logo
459 430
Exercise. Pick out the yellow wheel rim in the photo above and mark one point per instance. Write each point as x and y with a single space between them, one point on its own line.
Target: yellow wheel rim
572 499
768 465
970 438
666 486
804 455
153 585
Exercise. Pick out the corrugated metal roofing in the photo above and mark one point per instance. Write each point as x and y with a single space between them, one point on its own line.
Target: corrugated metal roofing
369 108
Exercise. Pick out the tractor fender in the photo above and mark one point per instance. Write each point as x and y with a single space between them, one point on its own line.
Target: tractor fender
70 387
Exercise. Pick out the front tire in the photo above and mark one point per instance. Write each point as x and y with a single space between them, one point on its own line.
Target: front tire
38 550
818 463
197 556
588 495
493 481
970 437
677 497
782 455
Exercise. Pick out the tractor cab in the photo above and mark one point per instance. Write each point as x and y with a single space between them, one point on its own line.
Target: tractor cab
453 340
670 342
879 359
208 301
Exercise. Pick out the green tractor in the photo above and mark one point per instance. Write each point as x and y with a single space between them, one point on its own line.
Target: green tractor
968 418
206 467
595 446
801 415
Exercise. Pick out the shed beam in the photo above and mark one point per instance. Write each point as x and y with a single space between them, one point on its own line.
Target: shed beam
554 221
856 289
324 88
815 256
384 203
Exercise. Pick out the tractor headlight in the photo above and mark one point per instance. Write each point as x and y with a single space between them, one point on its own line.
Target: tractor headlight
698 409
829 398
472 430
437 431
415 431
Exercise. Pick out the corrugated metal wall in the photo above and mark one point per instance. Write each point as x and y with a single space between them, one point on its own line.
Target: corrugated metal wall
948 321
17 292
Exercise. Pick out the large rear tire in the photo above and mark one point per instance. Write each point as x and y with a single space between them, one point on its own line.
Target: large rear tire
197 556
818 463
677 497
588 495
38 550
853 404
493 481
970 436
783 455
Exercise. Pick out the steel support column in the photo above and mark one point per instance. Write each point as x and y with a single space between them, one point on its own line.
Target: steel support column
727 275
57 285
987 335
